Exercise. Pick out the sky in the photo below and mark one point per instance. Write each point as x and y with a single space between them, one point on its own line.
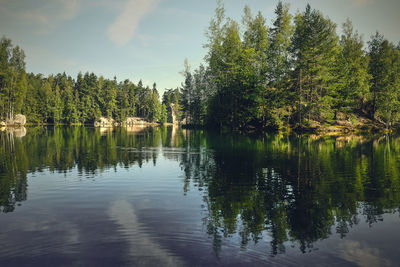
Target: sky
149 39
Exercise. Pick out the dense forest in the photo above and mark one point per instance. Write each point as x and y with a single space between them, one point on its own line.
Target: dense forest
296 73
61 99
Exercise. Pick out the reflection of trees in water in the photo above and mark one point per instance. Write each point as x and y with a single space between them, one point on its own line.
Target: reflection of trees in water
60 149
13 185
293 189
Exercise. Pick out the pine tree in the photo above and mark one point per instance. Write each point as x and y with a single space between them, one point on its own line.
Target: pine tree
200 96
187 91
32 100
110 98
163 114
155 106
13 82
314 51
278 92
70 113
122 101
384 66
353 67
255 64
48 99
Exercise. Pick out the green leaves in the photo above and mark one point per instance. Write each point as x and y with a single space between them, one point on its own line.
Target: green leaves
384 66
315 51
13 83
353 79
279 76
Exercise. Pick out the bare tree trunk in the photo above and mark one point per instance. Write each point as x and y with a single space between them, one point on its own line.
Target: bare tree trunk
300 89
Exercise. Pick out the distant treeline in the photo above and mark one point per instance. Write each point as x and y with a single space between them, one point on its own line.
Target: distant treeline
293 73
62 99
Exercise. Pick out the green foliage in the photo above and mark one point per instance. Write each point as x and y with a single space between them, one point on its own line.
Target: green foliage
163 114
290 74
13 80
187 92
61 99
384 67
277 97
237 70
354 79
155 106
315 50
172 99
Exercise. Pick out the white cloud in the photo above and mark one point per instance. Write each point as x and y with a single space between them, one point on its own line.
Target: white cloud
362 254
124 27
143 246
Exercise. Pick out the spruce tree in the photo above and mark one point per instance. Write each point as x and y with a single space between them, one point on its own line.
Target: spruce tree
314 51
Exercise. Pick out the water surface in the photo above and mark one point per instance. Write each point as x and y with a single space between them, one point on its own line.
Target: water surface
171 197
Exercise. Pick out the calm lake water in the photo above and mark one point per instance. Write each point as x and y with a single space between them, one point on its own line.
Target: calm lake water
171 197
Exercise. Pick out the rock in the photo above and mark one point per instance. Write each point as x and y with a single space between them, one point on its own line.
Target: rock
131 121
344 123
104 122
19 120
341 116
19 132
173 114
136 129
105 130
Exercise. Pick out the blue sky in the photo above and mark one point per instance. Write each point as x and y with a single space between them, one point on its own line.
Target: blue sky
149 39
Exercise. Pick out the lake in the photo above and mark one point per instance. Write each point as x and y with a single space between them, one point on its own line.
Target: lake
171 197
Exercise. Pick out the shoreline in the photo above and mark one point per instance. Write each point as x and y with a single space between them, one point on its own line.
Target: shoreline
313 128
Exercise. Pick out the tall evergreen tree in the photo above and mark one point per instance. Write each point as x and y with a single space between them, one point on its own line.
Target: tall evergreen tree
110 98
13 82
187 91
354 81
200 96
385 89
279 94
314 51
70 114
256 45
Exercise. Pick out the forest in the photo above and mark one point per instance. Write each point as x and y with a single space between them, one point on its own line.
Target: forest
60 99
296 73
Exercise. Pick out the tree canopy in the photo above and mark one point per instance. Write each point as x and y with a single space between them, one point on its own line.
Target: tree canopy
290 74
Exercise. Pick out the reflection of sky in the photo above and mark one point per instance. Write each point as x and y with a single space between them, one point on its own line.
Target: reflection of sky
142 216
142 245
373 245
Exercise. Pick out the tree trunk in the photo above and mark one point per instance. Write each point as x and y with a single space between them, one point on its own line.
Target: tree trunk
300 89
